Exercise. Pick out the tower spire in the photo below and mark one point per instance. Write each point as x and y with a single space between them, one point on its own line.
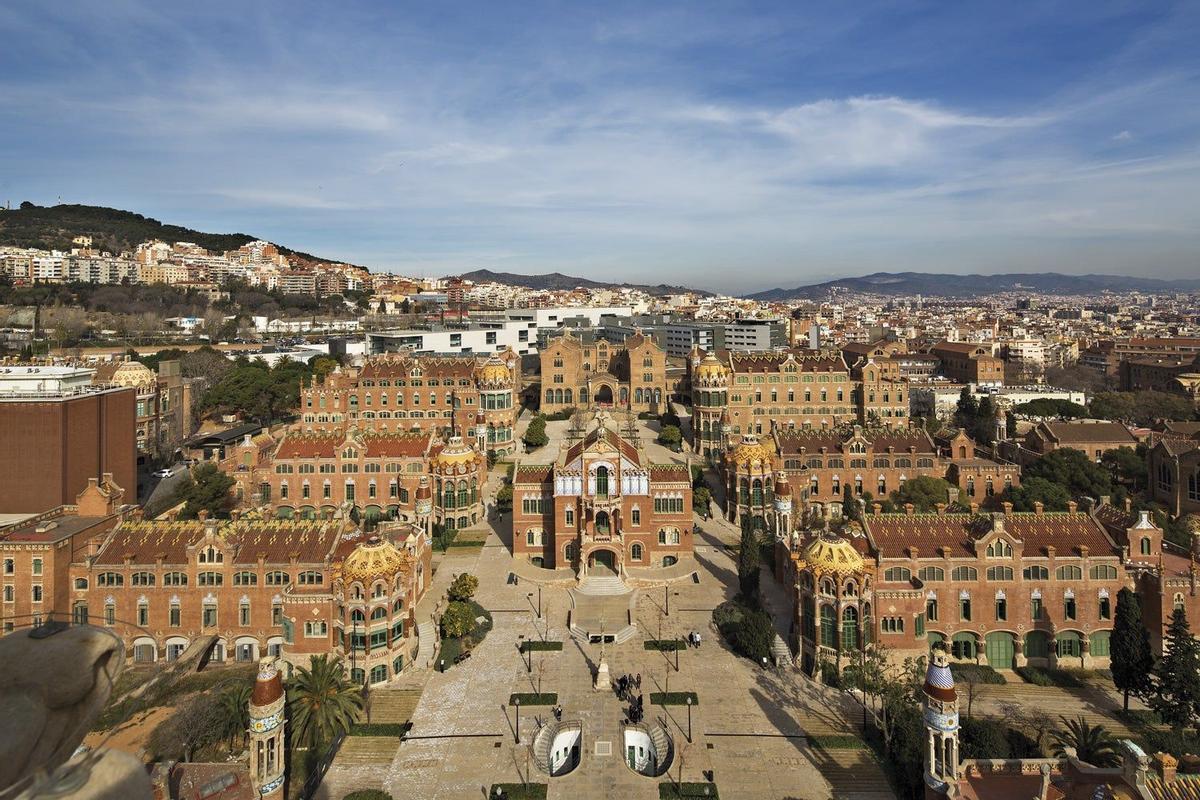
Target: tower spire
268 726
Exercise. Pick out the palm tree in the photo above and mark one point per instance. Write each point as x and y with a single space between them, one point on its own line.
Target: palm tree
322 701
1093 744
235 705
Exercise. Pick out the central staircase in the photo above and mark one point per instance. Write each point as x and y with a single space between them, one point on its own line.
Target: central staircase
602 585
426 645
781 654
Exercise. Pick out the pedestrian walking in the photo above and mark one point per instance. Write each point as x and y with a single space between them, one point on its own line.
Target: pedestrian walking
639 681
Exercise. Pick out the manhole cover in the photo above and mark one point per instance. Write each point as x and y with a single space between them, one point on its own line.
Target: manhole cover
604 748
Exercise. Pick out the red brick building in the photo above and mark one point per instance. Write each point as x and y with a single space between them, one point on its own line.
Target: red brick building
54 443
969 362
602 507
473 396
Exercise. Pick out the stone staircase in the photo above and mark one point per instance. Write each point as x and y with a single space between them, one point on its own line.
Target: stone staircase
607 585
426 645
781 654
394 706
543 742
663 748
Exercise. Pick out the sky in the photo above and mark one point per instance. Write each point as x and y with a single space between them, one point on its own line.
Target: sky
725 146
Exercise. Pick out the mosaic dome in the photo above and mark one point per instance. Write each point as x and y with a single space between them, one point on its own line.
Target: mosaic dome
829 553
494 373
454 453
709 369
373 559
752 450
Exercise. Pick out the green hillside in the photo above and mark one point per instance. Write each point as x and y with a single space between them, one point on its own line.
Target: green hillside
113 230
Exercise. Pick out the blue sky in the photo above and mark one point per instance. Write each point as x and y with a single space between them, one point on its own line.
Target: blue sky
728 146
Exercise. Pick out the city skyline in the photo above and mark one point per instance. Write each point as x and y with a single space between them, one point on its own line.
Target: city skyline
776 145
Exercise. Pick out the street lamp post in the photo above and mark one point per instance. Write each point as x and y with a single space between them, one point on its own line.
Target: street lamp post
689 705
667 599
517 734
539 601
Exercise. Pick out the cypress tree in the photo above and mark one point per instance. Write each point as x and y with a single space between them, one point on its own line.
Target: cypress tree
1131 659
748 561
1177 680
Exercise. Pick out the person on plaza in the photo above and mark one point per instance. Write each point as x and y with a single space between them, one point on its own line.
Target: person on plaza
638 681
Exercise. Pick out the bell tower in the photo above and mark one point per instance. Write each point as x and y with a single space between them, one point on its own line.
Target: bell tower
268 725
941 728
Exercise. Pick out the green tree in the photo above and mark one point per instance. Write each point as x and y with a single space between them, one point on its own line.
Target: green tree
1176 690
924 492
1072 470
535 434
458 620
1048 407
753 635
670 436
850 506
983 431
984 738
1117 406
1128 464
1093 744
504 498
206 488
967 410
1131 658
1052 496
196 723
749 560
701 497
322 702
463 587
235 705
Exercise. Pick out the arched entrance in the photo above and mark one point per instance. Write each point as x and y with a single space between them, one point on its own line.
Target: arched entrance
604 395
602 563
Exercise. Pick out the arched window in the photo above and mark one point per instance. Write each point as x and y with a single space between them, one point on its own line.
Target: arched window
635 552
895 574
999 573
602 481
964 574
379 613
1068 572
357 615
849 628
999 549
1145 547
1036 573
1104 572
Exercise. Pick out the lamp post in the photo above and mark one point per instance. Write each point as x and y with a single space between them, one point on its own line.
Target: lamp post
667 599
689 705
517 734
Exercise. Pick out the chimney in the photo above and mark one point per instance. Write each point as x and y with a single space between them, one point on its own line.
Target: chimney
235 514
202 514
1008 507
1051 550
908 509
138 514
941 508
1128 505
914 552
1165 765
1105 500
1072 506
974 507
1084 550
1038 507
876 508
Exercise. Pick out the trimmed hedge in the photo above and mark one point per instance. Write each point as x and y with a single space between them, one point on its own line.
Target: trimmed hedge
665 645
671 791
537 645
673 698
533 698
975 673
1041 676
379 728
518 791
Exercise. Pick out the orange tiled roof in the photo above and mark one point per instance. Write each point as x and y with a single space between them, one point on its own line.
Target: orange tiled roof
891 534
276 541
669 473
532 473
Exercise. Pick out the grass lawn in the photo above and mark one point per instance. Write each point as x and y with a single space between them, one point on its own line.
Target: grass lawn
537 645
673 698
452 647
664 645
533 699
673 791
519 791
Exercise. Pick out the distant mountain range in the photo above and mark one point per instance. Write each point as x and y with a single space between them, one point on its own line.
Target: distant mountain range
112 230
943 285
558 281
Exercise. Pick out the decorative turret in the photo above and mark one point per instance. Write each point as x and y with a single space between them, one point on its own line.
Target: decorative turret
941 726
268 725
783 507
424 505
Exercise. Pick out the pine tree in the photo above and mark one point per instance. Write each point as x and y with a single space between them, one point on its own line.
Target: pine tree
1131 659
984 428
967 411
849 504
1176 695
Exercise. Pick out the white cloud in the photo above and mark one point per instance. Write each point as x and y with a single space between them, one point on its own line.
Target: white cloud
1123 136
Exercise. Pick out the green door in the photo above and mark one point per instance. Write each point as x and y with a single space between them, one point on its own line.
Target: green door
999 647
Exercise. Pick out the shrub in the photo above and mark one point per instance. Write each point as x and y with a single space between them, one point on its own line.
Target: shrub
463 587
830 675
984 738
368 794
535 434
1042 676
670 436
749 631
975 673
